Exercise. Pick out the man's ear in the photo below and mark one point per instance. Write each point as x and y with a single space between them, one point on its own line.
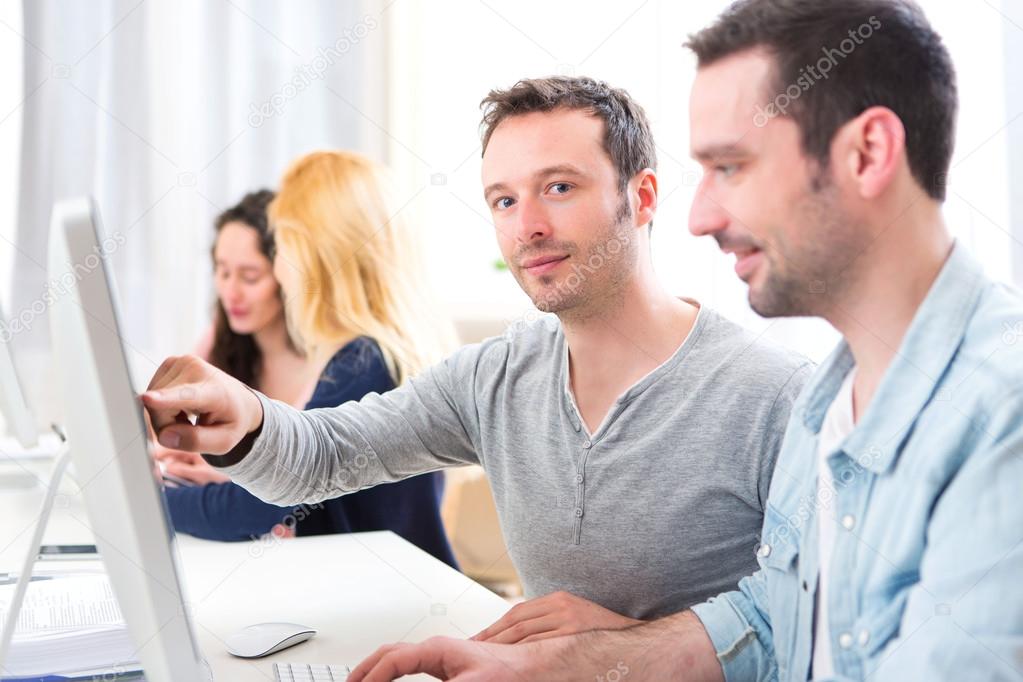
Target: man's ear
646 191
875 150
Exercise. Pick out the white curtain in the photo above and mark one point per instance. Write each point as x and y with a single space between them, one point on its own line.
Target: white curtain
167 112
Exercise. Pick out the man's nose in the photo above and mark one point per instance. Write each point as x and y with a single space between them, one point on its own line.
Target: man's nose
533 222
706 216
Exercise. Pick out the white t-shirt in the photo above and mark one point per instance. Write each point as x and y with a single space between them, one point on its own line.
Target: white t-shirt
839 422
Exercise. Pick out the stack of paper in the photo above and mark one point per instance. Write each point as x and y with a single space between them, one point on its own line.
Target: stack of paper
70 626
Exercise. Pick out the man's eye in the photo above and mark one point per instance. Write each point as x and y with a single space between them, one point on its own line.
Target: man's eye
500 203
560 187
727 170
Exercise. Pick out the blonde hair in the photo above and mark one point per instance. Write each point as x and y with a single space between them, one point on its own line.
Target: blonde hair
336 221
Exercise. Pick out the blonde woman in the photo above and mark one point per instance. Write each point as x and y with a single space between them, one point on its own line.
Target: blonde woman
348 263
356 300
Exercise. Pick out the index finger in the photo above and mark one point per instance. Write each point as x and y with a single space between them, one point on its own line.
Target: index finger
408 660
526 610
170 366
369 663
166 404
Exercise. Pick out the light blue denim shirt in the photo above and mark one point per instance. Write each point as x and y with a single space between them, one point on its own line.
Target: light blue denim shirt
927 569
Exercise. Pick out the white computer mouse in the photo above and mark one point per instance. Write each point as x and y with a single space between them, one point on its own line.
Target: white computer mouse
264 639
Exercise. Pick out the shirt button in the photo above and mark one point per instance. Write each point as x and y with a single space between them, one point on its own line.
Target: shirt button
848 521
578 511
806 586
578 478
765 550
863 638
845 640
587 444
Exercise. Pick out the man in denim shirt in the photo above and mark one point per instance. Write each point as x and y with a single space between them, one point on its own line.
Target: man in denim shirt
892 547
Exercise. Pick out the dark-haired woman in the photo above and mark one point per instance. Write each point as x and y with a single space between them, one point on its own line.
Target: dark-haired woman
250 334
251 342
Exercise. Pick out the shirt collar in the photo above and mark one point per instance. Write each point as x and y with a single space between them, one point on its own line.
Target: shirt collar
936 332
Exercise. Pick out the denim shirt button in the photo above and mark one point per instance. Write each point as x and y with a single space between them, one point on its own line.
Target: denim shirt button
845 640
864 638
848 521
764 551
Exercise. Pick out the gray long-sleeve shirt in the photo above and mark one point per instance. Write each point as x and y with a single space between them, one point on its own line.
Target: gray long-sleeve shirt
659 509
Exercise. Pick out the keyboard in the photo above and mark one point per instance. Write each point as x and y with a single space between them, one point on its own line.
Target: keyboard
306 672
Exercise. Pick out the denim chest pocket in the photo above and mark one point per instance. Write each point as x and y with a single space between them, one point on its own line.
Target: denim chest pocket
779 557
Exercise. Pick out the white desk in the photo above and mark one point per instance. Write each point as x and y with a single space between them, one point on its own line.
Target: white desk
359 590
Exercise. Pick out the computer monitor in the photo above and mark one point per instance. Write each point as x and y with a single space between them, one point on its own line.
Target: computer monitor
109 449
18 418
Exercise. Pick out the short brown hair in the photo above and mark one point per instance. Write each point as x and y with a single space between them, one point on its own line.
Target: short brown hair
884 53
627 137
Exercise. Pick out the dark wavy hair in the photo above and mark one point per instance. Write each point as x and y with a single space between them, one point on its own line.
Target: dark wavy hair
885 53
238 354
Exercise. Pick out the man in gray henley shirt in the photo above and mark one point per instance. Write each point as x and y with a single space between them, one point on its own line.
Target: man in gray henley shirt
629 438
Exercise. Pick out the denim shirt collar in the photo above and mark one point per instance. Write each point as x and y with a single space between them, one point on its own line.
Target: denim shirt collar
930 343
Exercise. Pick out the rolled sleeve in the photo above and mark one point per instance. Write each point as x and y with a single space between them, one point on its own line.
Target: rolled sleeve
741 631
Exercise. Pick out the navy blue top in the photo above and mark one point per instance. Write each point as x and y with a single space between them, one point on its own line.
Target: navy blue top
410 508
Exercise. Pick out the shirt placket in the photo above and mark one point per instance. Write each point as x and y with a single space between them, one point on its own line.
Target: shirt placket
848 642
580 489
585 447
